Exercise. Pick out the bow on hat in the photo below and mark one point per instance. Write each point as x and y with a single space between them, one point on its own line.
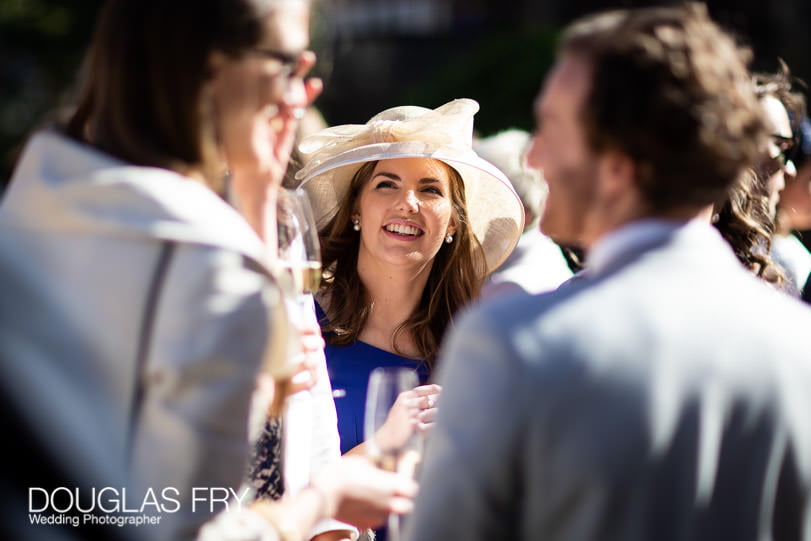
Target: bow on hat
448 125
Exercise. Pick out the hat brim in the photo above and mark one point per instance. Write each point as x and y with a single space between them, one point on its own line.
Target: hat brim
495 212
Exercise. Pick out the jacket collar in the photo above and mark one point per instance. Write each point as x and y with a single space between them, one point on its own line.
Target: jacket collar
60 184
628 242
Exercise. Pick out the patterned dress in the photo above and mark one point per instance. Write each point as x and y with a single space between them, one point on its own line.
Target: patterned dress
265 469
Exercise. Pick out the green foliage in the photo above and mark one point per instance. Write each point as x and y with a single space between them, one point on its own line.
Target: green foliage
35 17
41 47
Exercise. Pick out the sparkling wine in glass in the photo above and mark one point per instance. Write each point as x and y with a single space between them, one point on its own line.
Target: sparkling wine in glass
298 259
298 262
299 251
396 447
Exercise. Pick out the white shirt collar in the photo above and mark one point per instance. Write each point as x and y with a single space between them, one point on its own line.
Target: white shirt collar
635 236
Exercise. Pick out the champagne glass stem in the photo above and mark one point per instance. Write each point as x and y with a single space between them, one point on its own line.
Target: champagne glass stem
393 527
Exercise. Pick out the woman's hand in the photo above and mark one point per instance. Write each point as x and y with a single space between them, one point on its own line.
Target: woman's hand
357 493
412 409
428 399
255 123
284 124
305 373
257 129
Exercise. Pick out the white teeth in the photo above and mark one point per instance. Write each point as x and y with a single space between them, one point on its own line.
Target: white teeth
403 229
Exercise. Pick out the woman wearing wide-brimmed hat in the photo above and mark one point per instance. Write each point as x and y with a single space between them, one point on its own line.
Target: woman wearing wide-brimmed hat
411 221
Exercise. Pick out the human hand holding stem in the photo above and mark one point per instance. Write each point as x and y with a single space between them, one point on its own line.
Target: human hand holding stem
351 491
415 408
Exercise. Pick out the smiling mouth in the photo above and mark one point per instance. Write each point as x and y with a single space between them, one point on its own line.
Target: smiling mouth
404 230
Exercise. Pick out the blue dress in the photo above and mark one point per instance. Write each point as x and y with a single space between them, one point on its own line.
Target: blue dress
349 368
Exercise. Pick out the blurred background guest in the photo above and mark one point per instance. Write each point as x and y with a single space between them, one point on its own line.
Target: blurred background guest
744 220
794 213
747 218
536 264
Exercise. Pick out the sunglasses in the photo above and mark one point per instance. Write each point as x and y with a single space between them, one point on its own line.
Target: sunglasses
290 66
779 162
288 61
785 144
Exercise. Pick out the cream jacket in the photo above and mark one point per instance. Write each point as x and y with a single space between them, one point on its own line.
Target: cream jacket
164 285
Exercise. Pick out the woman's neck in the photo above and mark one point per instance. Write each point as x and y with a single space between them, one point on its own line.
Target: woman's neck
394 294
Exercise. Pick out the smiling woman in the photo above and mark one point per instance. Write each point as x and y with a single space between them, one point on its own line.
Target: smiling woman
408 170
411 221
405 211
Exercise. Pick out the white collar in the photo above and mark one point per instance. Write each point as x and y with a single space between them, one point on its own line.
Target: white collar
638 236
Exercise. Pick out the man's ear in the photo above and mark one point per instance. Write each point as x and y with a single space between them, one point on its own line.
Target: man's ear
617 172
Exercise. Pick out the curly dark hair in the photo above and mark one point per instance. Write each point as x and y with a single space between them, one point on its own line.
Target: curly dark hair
453 282
670 90
743 220
780 85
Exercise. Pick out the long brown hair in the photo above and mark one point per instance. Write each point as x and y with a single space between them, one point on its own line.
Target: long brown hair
454 280
141 95
744 219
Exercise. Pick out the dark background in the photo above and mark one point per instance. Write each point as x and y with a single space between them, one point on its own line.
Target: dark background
375 54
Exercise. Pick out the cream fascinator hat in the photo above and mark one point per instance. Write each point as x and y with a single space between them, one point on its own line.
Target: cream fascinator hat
333 156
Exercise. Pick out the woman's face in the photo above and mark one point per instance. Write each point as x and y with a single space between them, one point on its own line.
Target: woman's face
405 211
778 170
795 201
251 94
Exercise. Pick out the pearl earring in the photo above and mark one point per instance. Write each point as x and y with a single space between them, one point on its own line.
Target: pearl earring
356 224
449 238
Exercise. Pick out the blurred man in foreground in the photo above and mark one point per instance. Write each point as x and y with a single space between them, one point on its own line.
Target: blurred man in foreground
665 395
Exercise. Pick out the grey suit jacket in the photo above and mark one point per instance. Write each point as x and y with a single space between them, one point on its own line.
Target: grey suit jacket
668 397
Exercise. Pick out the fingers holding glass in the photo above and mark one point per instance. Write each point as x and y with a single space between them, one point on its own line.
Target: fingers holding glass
428 399
389 424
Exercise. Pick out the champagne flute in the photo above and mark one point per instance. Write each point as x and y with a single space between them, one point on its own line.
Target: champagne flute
298 258
299 251
398 447
298 261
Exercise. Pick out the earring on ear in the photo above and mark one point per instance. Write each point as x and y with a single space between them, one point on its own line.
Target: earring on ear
356 224
226 183
449 238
